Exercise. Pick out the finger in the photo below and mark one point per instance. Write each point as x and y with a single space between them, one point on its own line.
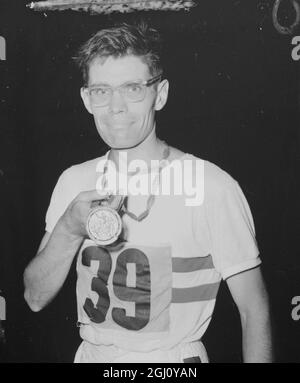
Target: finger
94 195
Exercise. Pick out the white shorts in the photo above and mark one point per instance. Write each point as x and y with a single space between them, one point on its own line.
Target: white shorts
183 353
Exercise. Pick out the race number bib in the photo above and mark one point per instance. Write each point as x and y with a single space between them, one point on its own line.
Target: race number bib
127 289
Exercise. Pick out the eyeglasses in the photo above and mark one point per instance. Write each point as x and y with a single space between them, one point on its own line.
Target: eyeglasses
131 91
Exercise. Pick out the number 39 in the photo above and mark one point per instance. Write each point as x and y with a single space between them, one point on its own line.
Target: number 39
140 294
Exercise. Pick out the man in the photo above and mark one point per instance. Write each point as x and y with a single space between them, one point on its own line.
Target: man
149 296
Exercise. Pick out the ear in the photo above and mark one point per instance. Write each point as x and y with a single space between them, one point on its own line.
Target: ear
162 94
86 100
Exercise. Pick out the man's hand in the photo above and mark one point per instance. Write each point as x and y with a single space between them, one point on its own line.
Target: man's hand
46 273
73 221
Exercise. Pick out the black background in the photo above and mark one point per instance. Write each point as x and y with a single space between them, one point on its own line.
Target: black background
234 100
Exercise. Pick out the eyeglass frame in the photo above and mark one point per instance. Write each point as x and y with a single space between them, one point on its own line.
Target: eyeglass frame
145 83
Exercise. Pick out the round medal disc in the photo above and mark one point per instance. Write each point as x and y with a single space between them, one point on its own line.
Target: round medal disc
104 225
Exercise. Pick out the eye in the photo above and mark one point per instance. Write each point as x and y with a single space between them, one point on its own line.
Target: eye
134 88
100 92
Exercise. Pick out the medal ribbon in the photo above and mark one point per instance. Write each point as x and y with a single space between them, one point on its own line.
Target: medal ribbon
151 198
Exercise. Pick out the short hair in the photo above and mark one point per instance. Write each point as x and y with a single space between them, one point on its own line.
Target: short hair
119 41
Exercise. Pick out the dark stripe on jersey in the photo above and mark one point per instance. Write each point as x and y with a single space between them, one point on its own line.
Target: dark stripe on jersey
185 265
193 359
195 294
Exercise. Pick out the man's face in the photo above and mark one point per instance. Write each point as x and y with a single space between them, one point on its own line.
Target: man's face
124 124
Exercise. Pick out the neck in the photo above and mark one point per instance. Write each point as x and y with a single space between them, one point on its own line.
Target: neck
150 149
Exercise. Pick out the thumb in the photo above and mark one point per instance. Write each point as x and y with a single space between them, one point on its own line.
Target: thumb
94 195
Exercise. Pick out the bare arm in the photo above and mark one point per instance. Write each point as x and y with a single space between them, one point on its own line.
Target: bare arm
250 295
46 273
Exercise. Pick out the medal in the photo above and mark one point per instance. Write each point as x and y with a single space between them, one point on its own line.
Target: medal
104 224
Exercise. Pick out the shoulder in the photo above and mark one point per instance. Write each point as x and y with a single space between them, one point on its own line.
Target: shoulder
80 177
83 170
214 175
217 182
215 179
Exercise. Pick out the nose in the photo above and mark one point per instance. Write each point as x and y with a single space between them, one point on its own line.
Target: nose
117 103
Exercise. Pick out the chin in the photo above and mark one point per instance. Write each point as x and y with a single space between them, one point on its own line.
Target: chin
123 143
123 146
